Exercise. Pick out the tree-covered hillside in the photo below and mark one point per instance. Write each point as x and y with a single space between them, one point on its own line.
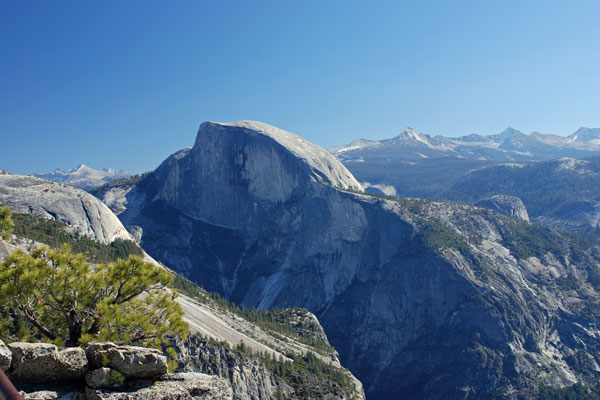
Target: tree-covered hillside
544 187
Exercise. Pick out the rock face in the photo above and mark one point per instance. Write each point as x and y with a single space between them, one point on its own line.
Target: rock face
42 362
249 379
80 210
268 164
104 378
507 205
322 166
421 299
131 361
5 356
182 386
247 373
50 374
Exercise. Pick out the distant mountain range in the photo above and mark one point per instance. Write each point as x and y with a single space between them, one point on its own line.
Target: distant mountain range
557 178
83 177
509 145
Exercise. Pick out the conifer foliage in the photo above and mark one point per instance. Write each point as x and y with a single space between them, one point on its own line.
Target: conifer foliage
59 296
6 224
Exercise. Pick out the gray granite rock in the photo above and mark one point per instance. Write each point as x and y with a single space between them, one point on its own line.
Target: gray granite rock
182 386
507 205
42 362
53 395
131 361
5 356
104 378
83 212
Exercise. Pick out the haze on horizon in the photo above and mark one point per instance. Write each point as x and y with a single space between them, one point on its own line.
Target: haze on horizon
125 84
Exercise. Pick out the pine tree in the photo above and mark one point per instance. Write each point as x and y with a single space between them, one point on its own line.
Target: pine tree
67 301
6 223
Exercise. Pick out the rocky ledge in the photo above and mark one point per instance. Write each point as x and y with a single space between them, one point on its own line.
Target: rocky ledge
102 371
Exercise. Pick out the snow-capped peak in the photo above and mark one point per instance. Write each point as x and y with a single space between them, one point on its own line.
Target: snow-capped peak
508 133
411 134
82 176
584 134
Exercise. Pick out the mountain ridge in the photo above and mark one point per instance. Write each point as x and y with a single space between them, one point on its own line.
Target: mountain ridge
509 145
405 288
82 176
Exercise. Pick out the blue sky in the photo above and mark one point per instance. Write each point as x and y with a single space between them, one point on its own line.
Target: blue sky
123 84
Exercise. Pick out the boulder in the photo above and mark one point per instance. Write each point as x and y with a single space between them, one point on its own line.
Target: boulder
43 362
73 360
104 378
131 361
5 356
182 386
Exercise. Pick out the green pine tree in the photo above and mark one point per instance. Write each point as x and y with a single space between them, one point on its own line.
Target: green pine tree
67 301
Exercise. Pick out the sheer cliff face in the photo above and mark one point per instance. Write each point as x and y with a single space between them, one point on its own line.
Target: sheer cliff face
234 167
423 299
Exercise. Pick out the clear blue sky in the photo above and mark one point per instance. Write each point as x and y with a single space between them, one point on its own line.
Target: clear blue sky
123 84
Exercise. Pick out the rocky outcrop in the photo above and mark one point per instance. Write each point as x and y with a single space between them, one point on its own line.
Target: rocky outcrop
42 371
506 205
204 371
131 361
43 362
181 386
82 212
423 299
251 379
55 394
